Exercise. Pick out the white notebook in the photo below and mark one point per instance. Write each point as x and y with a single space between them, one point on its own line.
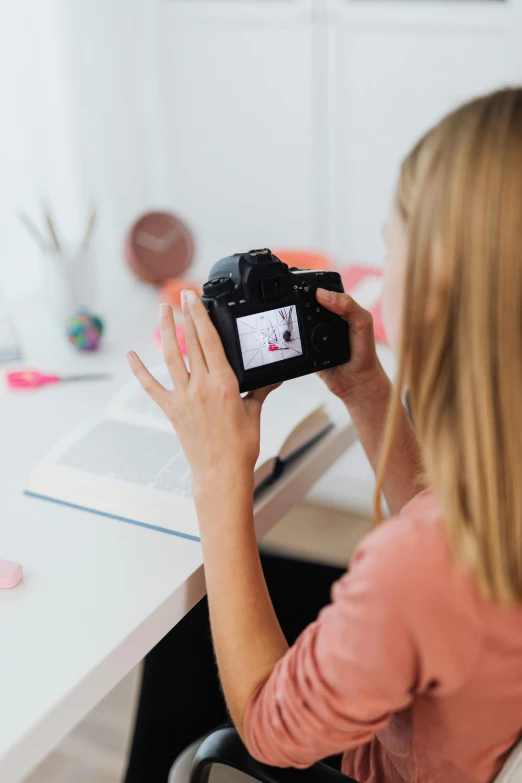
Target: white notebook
129 464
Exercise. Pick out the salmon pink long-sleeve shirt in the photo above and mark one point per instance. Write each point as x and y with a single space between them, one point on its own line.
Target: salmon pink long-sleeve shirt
408 672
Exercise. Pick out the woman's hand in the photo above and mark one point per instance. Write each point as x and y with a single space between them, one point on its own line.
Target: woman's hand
219 431
356 378
365 389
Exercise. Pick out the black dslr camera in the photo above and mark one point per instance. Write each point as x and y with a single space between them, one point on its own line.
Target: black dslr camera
271 325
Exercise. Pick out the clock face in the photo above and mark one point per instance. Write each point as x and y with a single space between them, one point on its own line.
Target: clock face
159 246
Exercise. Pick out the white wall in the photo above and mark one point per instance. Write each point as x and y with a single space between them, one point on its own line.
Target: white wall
278 122
394 70
79 122
286 121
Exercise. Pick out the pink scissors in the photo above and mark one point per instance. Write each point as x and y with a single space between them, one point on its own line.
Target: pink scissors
32 379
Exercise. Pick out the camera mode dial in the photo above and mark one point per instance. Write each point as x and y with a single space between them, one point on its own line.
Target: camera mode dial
219 286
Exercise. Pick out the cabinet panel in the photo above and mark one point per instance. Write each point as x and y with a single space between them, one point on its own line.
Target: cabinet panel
388 84
253 11
237 112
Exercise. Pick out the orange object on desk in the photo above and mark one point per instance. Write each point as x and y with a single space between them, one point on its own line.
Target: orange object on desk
304 259
171 290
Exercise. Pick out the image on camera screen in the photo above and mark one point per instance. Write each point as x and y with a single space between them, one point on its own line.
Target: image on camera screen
269 337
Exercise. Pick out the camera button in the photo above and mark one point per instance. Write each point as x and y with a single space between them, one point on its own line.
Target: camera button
323 338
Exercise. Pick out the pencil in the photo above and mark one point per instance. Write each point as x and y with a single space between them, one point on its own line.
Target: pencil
52 231
89 229
32 230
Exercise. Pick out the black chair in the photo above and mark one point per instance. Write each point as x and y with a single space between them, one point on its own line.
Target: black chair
224 747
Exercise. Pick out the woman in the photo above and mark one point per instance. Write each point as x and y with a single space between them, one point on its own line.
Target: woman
414 671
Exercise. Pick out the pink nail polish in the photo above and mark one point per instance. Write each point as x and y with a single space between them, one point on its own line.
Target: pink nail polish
164 309
130 357
191 296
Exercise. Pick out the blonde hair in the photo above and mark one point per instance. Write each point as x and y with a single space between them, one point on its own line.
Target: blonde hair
460 196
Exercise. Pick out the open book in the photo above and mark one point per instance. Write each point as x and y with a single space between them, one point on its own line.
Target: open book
129 464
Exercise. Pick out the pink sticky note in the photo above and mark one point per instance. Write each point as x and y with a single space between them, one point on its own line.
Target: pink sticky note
10 574
180 334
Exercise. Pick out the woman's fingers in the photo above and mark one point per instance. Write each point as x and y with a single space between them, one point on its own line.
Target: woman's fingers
197 363
209 339
345 306
258 396
171 352
148 382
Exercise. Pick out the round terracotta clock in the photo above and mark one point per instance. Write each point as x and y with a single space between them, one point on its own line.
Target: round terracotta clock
159 245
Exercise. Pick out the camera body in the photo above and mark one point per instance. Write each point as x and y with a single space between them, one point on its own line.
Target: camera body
271 325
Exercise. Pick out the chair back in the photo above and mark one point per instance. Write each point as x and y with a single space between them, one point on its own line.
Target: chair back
511 772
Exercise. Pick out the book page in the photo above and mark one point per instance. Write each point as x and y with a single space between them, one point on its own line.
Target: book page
141 474
138 455
283 411
134 406
138 473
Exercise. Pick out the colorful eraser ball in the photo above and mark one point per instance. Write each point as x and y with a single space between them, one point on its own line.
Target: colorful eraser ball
84 330
10 574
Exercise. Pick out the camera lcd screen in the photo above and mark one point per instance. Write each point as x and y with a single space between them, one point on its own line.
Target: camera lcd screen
268 337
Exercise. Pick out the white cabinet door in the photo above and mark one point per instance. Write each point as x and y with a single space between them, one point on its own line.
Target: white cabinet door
238 119
394 69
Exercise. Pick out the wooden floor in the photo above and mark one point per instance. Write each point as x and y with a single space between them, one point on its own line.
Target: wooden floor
95 751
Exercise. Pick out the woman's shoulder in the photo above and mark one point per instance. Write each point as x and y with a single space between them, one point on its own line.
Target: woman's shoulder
418 525
412 549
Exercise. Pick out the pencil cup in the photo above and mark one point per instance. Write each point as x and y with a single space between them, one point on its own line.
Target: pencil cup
69 282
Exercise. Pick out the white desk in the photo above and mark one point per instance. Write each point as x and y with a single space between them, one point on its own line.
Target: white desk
98 594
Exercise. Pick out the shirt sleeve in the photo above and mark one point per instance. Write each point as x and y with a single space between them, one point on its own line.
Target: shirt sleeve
363 659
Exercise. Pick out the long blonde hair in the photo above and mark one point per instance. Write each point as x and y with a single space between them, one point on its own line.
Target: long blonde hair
460 196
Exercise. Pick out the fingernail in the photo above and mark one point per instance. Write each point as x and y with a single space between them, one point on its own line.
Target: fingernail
325 295
130 357
183 296
164 309
191 297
